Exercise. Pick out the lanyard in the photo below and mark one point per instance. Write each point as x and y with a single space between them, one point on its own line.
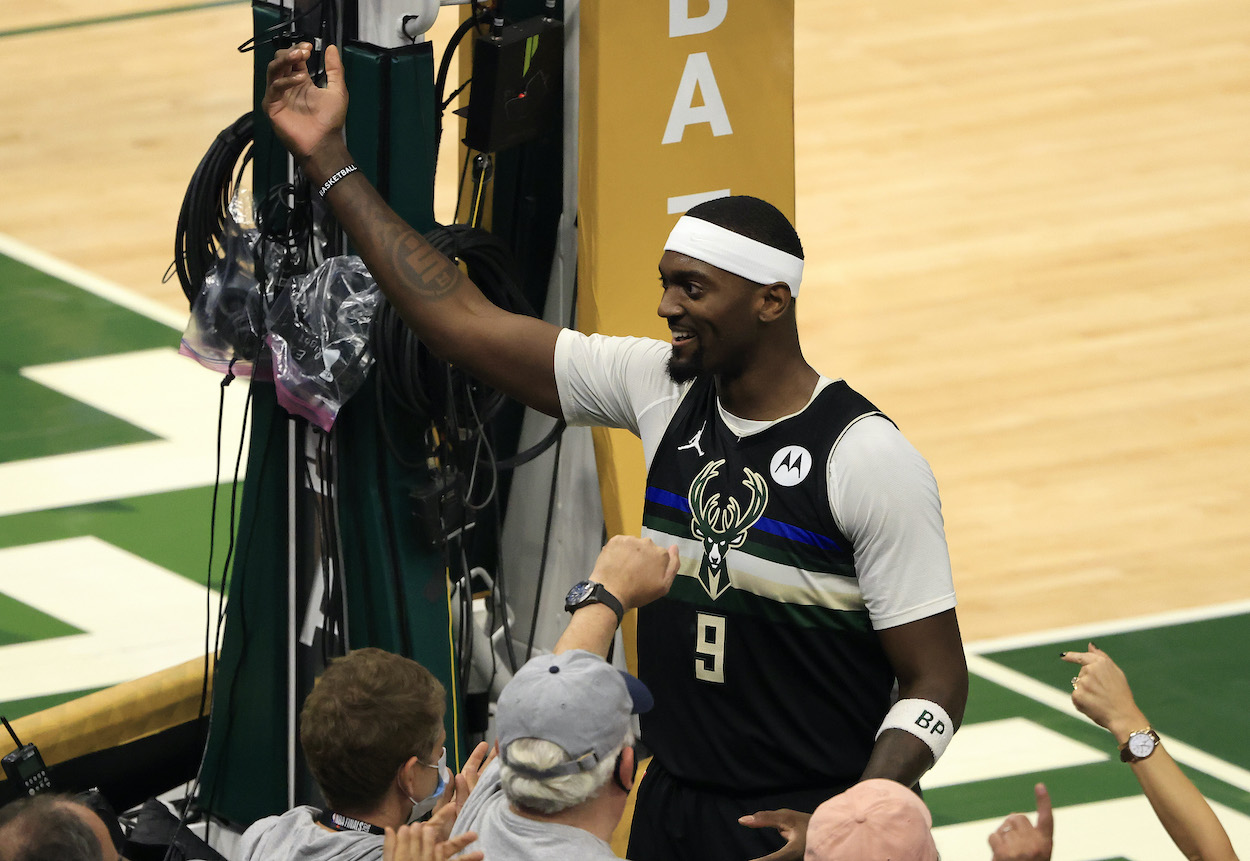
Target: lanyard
339 822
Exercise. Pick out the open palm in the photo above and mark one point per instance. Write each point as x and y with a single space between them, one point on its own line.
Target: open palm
304 115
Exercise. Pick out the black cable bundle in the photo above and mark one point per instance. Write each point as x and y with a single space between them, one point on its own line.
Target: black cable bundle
451 414
417 380
205 208
427 387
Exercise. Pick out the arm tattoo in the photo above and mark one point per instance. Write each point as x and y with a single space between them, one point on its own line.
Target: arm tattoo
432 274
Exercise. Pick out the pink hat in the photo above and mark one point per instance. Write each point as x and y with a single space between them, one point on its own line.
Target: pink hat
876 820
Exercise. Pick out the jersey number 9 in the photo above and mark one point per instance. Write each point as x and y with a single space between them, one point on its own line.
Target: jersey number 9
709 648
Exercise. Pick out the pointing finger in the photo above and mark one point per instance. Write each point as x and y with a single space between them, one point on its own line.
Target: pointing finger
1045 816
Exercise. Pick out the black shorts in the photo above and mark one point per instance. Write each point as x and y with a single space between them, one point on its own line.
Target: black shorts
674 821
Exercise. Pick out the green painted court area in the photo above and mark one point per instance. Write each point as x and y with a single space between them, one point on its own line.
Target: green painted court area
1190 678
1169 688
50 321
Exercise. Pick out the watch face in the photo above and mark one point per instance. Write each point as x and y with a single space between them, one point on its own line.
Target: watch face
1140 744
580 592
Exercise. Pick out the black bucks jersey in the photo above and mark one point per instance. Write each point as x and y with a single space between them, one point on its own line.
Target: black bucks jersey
766 673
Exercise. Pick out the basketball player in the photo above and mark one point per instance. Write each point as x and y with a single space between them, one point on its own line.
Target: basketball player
810 640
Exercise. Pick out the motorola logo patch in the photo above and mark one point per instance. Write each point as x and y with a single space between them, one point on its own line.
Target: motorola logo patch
790 465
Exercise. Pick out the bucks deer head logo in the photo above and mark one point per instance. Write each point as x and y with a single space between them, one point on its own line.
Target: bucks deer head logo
722 528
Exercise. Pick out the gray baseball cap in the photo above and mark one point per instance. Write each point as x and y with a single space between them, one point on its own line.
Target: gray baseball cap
574 699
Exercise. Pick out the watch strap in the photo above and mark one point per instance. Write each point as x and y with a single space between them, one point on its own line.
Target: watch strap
1128 756
600 595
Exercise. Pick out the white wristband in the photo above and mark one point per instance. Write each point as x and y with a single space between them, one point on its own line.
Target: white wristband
924 719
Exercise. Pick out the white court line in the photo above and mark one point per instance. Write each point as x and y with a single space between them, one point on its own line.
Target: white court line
1003 748
136 616
157 390
1082 634
93 284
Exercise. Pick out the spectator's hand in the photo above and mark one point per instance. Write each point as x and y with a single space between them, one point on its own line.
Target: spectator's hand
635 570
793 827
1101 693
1017 840
304 115
420 842
473 768
443 817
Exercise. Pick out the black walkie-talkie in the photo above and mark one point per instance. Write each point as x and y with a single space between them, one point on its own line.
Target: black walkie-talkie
25 766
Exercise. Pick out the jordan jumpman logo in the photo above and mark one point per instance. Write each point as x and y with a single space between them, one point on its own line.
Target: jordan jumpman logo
694 442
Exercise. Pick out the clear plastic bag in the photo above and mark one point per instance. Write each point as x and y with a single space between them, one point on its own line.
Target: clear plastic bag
226 329
319 338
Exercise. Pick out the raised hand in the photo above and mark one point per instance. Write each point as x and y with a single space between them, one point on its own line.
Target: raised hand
1017 839
418 842
635 570
304 116
473 768
1100 691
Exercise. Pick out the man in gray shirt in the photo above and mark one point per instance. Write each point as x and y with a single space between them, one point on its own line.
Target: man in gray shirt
566 761
372 733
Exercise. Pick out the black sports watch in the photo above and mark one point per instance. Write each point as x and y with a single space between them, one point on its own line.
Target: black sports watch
590 592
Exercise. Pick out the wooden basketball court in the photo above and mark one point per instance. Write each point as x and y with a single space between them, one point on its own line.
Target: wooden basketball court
1028 237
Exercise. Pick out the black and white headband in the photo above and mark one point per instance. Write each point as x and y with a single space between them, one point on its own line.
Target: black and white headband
735 253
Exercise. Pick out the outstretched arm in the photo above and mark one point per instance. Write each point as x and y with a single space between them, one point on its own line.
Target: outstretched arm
928 659
510 352
1101 692
636 571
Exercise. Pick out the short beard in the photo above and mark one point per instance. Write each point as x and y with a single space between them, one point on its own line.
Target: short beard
687 371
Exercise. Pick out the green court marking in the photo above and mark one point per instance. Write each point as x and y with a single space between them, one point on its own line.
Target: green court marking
111 19
1071 785
14 709
988 799
994 799
1174 672
170 529
21 623
989 701
47 321
40 422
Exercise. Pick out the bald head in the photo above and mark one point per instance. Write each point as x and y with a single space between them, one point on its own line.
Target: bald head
92 820
53 828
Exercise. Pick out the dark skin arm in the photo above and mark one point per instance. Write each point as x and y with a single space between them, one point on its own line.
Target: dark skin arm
510 352
928 660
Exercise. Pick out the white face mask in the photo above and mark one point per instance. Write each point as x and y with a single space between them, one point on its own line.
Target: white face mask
421 808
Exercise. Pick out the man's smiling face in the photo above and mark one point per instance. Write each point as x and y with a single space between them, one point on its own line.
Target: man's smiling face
711 314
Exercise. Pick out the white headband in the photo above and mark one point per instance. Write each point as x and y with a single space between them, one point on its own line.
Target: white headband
735 253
